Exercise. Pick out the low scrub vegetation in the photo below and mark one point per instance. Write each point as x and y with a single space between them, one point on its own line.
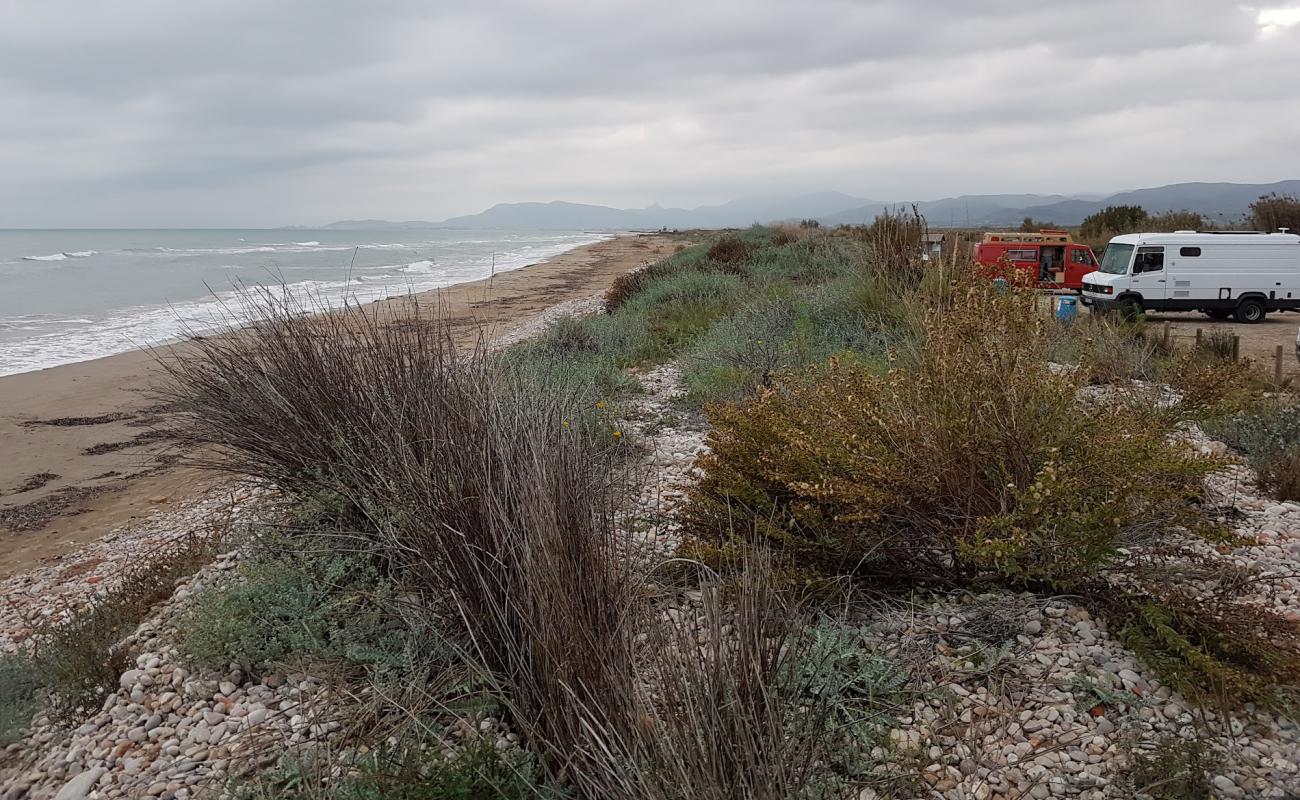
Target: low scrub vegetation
972 461
1270 440
404 770
879 421
976 457
69 666
1273 212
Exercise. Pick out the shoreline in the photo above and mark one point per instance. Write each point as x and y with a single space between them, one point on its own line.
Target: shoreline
80 459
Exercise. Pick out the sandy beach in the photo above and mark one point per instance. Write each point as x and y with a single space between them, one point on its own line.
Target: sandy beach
78 452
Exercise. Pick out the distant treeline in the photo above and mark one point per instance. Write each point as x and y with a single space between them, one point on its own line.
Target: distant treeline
1269 213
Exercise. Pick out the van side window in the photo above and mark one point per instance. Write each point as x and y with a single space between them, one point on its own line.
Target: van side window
1080 257
1022 255
1149 259
1189 252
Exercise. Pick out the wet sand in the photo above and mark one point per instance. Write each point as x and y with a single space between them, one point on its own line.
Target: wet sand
77 453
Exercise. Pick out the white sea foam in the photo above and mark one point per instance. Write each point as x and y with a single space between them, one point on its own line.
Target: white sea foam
308 244
35 341
63 256
418 267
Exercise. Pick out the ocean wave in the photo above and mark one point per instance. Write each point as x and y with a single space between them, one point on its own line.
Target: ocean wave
63 256
308 244
418 267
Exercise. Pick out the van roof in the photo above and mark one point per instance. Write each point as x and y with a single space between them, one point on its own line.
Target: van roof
1217 237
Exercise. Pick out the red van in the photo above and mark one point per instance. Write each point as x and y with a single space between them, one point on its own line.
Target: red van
1045 260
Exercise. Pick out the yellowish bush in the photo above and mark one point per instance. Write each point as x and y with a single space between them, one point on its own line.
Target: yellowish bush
975 459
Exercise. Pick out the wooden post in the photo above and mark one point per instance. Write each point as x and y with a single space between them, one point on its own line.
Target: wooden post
1051 307
1166 336
1236 347
1198 338
1277 365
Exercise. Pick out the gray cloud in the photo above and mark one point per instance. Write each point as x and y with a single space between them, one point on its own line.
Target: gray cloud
236 112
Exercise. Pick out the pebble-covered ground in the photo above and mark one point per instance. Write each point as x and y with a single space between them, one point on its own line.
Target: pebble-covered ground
1008 696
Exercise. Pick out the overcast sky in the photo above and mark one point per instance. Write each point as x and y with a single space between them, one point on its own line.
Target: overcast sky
267 112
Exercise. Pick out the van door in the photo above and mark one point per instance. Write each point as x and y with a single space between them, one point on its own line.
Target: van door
1149 279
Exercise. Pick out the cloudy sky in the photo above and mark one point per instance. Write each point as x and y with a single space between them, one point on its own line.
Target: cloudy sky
269 112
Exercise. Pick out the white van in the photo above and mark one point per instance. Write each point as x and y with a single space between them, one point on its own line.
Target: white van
1242 274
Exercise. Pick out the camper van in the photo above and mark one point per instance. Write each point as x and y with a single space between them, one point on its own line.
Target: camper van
1239 274
1048 259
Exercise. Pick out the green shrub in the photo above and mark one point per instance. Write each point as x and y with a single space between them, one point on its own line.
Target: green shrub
20 691
315 603
1261 434
977 458
80 660
405 771
1208 648
1279 474
748 350
1212 386
1270 439
728 250
1177 769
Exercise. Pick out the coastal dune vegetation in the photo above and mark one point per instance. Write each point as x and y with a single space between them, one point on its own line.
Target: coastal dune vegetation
453 533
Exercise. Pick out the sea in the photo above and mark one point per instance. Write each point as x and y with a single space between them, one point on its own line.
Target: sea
75 295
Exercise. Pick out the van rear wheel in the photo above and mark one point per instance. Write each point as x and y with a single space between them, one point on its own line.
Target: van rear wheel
1251 311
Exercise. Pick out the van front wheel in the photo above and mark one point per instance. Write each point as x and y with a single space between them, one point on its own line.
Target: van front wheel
1251 311
1128 309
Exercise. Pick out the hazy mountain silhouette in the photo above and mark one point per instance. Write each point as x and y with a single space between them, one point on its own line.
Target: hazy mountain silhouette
1226 201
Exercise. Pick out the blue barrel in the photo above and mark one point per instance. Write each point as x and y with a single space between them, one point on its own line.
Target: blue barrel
1066 310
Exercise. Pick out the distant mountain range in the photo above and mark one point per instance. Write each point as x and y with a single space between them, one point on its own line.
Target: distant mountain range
1216 201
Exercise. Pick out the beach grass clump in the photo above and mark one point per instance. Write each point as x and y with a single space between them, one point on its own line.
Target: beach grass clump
751 693
483 493
1110 350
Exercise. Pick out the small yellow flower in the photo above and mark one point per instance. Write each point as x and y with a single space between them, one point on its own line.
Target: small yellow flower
600 404
565 423
618 434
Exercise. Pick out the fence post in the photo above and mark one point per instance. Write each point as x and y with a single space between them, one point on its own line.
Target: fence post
1236 347
1277 365
1166 336
1198 338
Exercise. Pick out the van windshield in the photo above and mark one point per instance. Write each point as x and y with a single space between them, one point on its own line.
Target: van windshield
1116 259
